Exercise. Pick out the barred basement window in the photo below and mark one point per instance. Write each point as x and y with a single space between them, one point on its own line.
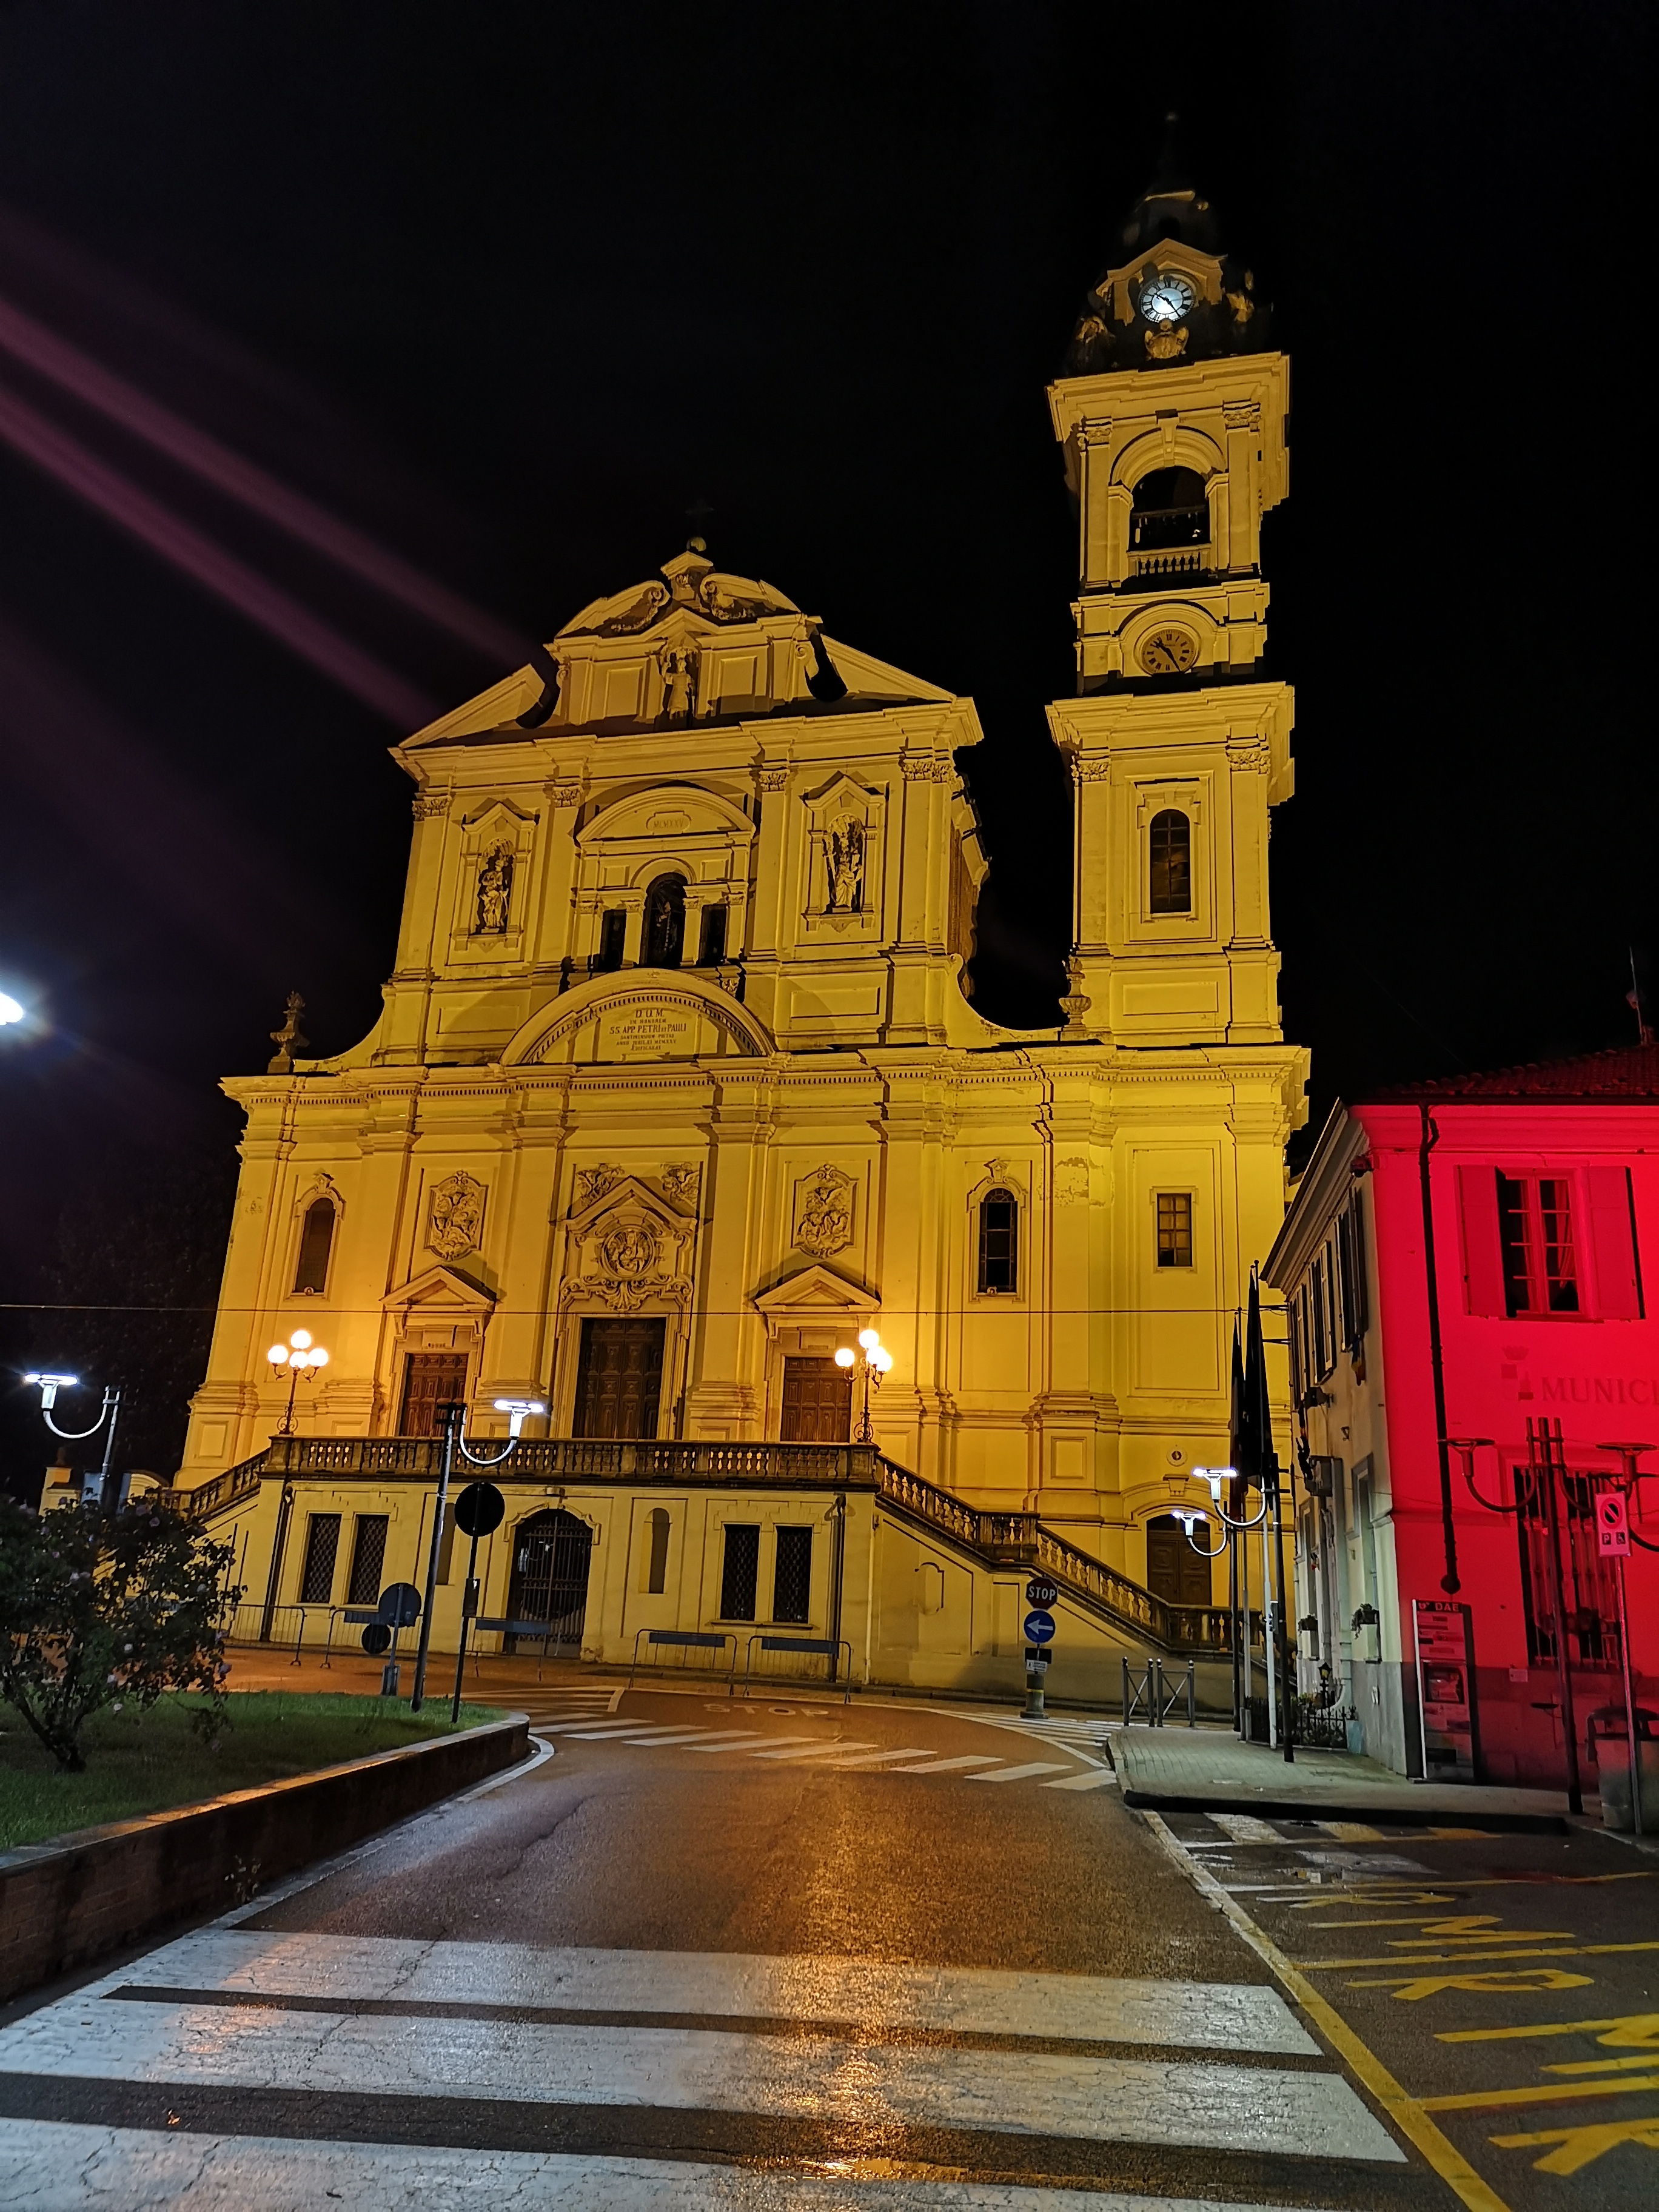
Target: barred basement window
740 1570
1174 1228
999 1242
322 1544
367 1558
1171 863
791 1584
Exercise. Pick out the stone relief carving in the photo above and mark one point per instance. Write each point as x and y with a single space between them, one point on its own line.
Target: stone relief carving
844 853
823 1212
630 1249
682 1184
454 1216
593 1184
678 665
494 892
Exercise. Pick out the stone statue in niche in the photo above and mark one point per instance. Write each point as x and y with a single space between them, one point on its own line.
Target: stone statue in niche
846 858
679 682
494 893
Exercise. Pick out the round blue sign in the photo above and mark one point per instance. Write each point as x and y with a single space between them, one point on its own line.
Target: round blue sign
1039 1628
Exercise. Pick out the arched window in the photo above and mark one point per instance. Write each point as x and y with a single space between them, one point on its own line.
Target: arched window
655 1562
316 1241
1170 858
664 922
999 1242
1170 511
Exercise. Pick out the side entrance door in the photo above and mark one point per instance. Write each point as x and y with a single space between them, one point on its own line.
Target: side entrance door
1175 1572
619 1379
431 1379
551 1555
818 1402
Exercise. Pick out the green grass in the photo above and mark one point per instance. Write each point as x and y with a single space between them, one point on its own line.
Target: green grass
142 1762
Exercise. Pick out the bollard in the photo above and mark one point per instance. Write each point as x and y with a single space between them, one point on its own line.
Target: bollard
1037 1666
389 1674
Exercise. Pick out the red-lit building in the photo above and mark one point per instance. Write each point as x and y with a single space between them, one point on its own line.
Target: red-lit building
1465 1259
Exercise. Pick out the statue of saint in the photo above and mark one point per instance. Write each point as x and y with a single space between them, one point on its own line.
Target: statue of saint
846 868
495 893
679 671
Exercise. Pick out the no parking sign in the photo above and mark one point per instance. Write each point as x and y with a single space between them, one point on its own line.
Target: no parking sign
1612 1525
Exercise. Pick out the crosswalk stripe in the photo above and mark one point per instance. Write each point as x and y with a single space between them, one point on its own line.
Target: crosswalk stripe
876 1758
948 1765
813 1751
1245 1829
1097 1779
266 2173
1018 1773
1218 2105
585 1732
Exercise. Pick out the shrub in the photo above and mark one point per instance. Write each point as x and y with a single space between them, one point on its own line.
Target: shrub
103 1609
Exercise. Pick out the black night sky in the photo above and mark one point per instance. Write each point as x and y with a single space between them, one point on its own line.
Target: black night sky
513 290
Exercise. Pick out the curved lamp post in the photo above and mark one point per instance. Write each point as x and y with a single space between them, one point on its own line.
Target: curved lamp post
1219 1478
49 1386
300 1357
517 1411
871 1360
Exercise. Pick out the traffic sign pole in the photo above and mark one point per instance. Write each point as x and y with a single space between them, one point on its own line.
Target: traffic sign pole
1039 1626
453 1416
479 1510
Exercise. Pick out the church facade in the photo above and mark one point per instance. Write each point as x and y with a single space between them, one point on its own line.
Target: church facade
678 1086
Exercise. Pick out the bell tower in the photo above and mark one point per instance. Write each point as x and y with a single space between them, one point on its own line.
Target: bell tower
1172 415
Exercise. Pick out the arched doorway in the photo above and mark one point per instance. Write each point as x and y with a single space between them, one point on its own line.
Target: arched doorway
550 1552
1175 1572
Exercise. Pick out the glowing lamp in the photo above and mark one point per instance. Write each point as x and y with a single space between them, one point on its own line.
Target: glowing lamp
845 1356
9 1009
881 1359
301 1339
277 1355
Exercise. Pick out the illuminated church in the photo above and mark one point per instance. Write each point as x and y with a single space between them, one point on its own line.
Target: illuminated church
678 1086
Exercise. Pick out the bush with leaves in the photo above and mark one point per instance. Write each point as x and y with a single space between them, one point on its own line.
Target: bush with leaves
112 1609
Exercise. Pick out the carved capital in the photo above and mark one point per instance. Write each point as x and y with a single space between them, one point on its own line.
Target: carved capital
564 794
428 806
924 768
772 779
1240 415
1250 756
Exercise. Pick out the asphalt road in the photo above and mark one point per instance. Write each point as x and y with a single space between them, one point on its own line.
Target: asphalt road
783 1952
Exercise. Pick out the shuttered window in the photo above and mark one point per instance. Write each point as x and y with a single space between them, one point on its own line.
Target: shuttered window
1538 1247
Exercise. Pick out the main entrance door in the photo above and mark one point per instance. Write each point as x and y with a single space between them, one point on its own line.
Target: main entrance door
818 1402
550 1554
619 1379
1175 1572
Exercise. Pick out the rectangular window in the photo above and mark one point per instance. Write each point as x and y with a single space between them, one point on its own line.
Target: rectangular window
999 1245
367 1559
322 1543
1298 1364
740 1570
792 1584
1174 1228
1321 1346
613 936
1536 1236
711 948
1351 1265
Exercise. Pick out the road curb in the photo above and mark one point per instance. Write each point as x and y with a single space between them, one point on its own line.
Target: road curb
1407 1815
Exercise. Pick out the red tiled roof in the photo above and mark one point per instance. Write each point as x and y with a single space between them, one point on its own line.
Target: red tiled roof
1627 1072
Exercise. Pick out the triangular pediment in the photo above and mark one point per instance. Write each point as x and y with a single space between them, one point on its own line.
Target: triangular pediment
440 1286
628 1190
815 1293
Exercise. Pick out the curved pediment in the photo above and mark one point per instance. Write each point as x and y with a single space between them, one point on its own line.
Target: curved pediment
666 810
640 1014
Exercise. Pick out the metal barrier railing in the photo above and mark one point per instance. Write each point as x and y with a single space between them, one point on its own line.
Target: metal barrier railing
287 1625
1150 1697
687 1640
829 1648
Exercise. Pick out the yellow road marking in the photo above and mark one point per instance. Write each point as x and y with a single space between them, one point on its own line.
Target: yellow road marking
1597 2065
1413 1989
1548 2093
1580 2146
1474 1958
1405 2111
1352 1831
1631 2027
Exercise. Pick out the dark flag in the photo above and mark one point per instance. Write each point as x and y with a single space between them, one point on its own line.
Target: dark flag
1258 1424
1237 1446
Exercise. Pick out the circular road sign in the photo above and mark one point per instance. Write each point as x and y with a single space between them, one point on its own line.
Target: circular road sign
400 1605
1039 1628
480 1509
1041 1591
377 1637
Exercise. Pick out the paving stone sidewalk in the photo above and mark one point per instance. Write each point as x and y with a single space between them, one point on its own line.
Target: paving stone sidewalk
1204 1769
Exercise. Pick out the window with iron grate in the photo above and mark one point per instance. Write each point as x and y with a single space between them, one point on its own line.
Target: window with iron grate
740 1570
367 1559
322 1544
791 1584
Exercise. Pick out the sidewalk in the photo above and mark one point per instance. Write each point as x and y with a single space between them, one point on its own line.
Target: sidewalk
1209 1769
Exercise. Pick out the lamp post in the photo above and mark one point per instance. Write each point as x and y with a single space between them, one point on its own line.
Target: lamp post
1219 1478
110 1412
454 1415
300 1357
871 1359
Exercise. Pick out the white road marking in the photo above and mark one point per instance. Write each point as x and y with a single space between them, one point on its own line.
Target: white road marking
1213 2106
1096 1778
815 1751
1019 1773
57 2167
585 1732
894 1751
949 1765
748 1985
1245 1829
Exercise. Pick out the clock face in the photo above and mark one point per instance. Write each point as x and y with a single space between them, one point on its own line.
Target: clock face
1169 653
1166 296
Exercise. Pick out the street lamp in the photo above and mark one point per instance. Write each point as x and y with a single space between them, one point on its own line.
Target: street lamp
872 1359
1238 1598
10 1009
49 1386
300 1357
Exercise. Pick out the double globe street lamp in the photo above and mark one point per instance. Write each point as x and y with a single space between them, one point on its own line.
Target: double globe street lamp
871 1360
